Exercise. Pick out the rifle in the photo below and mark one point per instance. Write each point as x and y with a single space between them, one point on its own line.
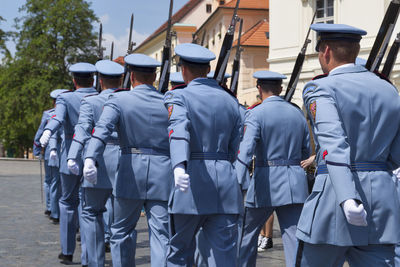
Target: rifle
166 57
294 78
112 50
100 56
236 63
226 48
391 57
383 36
203 37
41 176
127 73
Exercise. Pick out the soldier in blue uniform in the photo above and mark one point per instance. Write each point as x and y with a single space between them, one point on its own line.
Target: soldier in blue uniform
144 175
51 183
204 137
275 132
66 115
353 212
96 193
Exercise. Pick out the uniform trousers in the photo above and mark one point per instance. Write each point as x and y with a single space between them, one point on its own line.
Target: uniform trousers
317 255
108 217
47 184
220 232
397 256
124 235
255 218
52 190
92 226
69 203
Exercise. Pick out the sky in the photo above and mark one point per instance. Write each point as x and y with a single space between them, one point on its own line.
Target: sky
115 17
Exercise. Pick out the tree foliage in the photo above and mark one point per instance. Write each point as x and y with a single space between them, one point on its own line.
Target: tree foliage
50 37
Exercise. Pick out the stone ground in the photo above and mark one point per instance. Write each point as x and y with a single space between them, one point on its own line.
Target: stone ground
27 238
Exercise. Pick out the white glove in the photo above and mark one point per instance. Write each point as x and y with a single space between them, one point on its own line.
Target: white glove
90 171
181 178
355 214
44 139
73 167
53 155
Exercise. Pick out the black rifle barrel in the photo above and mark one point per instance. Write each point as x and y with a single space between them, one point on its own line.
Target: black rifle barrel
166 58
236 63
391 57
112 50
294 77
226 48
100 56
383 36
127 74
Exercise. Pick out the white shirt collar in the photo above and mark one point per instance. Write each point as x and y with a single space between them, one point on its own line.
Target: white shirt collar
343 66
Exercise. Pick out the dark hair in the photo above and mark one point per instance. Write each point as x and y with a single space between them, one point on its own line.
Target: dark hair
111 81
197 69
83 81
343 51
275 87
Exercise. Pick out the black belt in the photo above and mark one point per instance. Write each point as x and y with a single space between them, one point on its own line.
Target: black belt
143 150
278 162
210 156
363 166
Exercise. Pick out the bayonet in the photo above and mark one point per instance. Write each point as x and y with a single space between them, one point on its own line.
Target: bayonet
112 50
127 74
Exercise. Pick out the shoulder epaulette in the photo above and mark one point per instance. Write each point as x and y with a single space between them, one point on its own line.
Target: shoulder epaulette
255 105
320 76
383 77
179 86
121 90
91 95
69 91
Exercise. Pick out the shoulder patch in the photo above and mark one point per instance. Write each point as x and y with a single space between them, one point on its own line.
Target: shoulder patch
255 105
179 86
309 89
320 76
170 108
313 109
168 95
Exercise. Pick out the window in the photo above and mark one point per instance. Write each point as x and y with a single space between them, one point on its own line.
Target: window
222 2
208 8
324 11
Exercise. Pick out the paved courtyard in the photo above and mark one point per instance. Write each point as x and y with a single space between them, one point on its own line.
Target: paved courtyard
28 238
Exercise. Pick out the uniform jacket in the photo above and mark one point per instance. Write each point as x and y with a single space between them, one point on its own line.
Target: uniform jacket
205 120
356 119
67 113
275 130
37 148
141 121
89 114
55 143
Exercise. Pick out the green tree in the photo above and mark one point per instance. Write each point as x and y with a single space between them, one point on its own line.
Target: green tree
3 39
50 37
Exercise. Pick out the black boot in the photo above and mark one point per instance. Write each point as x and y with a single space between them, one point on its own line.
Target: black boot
65 259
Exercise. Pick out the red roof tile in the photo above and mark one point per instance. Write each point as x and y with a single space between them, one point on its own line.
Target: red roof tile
258 4
255 36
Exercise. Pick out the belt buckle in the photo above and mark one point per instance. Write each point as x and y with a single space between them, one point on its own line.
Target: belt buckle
135 150
269 162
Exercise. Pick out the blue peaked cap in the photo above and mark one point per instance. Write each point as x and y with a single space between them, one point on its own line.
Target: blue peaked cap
194 53
142 61
176 77
337 32
82 68
210 75
266 75
56 92
109 68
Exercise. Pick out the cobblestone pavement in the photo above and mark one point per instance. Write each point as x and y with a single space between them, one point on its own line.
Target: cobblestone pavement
28 238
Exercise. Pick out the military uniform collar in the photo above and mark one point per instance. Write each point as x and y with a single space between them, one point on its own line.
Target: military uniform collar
273 98
203 80
144 87
108 91
347 68
86 90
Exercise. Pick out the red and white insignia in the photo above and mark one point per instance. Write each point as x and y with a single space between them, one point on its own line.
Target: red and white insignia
93 131
170 108
313 109
170 132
